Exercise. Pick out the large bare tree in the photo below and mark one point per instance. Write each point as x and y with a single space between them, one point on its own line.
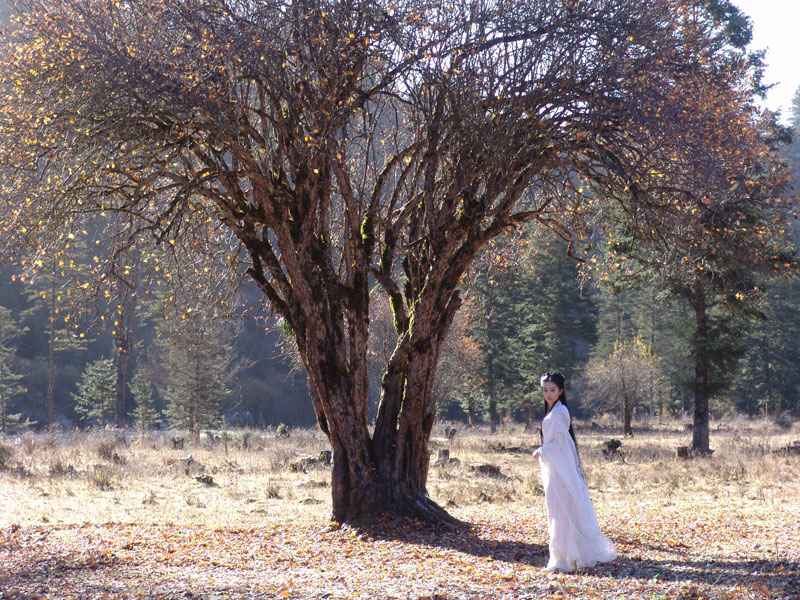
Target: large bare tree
345 144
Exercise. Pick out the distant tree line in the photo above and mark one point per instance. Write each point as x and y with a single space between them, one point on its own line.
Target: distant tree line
626 352
60 361
625 346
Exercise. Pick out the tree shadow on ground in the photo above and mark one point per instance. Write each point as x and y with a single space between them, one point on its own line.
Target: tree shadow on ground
764 576
466 539
461 539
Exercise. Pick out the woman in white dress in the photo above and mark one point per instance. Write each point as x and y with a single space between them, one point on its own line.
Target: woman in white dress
575 537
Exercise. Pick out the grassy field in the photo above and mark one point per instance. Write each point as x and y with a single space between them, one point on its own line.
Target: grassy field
102 515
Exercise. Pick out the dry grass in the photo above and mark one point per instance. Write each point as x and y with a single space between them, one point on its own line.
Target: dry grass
103 515
105 476
743 467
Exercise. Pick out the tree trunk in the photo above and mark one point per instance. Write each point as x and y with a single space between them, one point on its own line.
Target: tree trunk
124 339
700 435
530 414
472 417
194 414
51 373
388 470
626 407
764 366
627 416
490 381
120 405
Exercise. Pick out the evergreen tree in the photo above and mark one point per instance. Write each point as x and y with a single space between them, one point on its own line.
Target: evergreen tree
96 393
9 380
794 111
195 362
615 308
535 318
646 310
124 286
56 275
145 415
560 318
768 381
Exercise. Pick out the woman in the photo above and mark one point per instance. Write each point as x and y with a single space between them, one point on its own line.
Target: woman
575 537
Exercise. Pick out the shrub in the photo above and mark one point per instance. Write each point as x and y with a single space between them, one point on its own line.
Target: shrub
101 478
5 456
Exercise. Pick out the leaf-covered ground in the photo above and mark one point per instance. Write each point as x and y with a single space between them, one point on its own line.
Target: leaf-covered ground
688 550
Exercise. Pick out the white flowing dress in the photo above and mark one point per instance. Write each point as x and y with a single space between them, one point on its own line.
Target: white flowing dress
575 537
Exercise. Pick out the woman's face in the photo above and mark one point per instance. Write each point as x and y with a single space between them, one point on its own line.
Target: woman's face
551 392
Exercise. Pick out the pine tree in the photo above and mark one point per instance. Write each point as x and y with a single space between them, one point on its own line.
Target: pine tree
534 318
56 274
560 317
195 362
96 393
794 109
9 380
145 415
768 381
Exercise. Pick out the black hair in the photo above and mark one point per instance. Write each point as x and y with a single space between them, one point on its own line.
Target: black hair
559 380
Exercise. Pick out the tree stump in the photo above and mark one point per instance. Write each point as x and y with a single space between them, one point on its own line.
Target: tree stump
791 449
613 449
486 469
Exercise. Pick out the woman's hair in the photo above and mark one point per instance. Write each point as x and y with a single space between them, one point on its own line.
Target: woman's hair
559 380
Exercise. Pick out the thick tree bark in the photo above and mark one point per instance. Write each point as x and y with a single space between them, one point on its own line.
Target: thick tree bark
388 470
700 434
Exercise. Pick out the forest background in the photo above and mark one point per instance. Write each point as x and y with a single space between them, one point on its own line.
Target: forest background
622 338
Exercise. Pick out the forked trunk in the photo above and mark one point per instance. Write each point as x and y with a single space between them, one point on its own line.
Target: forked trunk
388 470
